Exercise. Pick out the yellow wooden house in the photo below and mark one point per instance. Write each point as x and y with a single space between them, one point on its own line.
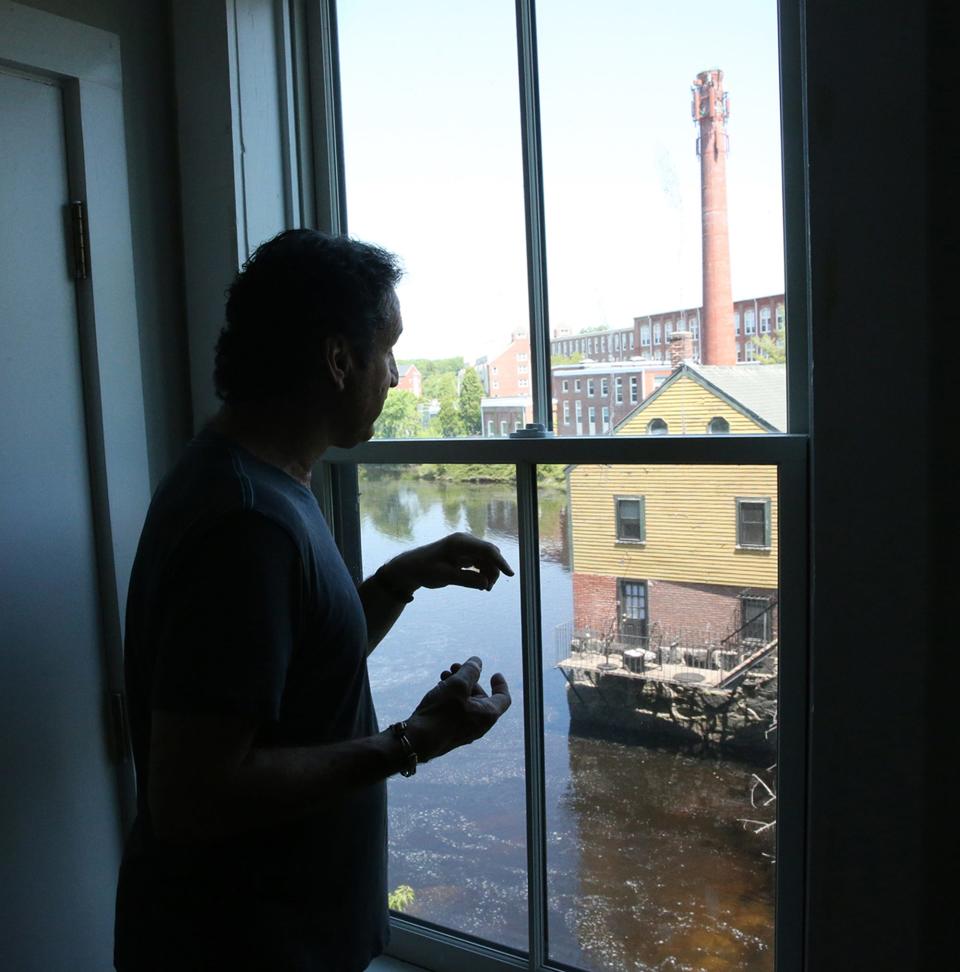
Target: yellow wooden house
682 555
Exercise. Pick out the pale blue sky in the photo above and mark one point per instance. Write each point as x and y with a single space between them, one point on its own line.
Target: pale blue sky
433 163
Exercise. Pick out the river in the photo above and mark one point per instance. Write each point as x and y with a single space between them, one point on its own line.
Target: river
648 863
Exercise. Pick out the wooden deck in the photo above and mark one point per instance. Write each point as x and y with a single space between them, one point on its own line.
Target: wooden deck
595 662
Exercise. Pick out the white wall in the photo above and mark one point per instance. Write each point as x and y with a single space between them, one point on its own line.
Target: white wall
149 114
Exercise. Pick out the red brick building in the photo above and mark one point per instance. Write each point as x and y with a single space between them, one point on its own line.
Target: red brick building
508 374
410 379
649 338
592 397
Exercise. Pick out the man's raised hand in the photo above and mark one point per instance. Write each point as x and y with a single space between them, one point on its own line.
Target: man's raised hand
457 710
459 559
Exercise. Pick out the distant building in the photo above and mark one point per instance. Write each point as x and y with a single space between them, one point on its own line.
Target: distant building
593 396
668 553
649 337
501 415
410 379
508 374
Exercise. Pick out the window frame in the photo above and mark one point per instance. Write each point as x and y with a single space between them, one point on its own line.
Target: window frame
315 155
763 501
642 519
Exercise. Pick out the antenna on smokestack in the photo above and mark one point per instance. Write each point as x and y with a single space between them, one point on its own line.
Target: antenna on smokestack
710 110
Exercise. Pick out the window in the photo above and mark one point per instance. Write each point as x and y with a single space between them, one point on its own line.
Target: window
589 388
667 331
736 322
755 619
517 426
657 426
781 319
750 351
616 342
603 343
753 523
749 322
503 427
694 328
475 885
631 527
576 384
592 420
764 320
718 425
657 333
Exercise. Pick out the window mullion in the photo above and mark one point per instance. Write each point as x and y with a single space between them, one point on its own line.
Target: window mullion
533 207
532 642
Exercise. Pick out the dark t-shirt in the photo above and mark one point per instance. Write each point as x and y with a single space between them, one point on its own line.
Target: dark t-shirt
240 603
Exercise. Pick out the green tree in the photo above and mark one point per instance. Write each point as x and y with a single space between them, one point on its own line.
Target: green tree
448 419
596 329
471 391
770 348
399 418
401 897
559 359
440 385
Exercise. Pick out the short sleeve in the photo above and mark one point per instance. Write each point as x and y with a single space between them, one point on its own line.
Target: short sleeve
228 622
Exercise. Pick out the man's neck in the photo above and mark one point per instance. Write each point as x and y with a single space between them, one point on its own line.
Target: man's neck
274 435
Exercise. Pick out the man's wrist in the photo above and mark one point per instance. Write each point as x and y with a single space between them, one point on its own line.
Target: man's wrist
409 757
386 578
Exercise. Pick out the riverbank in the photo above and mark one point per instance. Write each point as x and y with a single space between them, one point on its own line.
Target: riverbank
464 472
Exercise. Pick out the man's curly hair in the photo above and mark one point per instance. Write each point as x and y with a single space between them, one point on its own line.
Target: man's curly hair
297 289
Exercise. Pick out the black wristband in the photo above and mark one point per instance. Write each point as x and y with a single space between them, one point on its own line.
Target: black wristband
399 729
394 592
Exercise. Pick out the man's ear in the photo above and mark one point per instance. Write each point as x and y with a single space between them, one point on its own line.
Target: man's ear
337 360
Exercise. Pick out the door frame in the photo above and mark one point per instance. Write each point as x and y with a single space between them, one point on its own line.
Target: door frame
621 608
85 61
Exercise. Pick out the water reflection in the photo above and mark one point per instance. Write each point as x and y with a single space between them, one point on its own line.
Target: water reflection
393 503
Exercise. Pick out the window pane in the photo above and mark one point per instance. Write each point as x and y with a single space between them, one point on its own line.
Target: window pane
457 832
660 689
433 172
683 186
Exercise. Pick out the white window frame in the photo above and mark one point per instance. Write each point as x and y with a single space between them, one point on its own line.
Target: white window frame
336 486
633 390
644 335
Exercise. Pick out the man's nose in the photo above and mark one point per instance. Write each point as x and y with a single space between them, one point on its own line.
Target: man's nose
394 373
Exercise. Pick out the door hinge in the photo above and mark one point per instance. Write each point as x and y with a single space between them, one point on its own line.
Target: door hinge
119 729
81 239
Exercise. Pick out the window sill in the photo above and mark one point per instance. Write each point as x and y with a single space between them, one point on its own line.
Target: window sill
751 547
623 542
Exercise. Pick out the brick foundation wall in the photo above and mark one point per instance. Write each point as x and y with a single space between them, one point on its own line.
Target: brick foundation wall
712 610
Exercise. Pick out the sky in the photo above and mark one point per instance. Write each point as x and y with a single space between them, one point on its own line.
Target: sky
433 162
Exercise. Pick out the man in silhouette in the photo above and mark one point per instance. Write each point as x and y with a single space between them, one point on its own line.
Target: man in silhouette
260 837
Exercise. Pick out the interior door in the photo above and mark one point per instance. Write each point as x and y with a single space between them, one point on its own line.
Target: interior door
61 834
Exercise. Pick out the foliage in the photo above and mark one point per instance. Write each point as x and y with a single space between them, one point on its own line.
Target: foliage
596 329
771 349
428 367
560 359
401 897
448 419
399 418
471 392
441 385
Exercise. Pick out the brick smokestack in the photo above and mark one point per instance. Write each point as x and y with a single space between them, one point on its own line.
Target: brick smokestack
710 113
681 348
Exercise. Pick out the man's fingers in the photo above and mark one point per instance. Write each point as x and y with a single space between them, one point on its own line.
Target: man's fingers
469 673
499 693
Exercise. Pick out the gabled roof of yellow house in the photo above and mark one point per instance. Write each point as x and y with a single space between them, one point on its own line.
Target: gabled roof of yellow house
756 391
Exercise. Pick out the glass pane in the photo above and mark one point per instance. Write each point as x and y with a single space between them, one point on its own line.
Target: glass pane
660 689
457 832
644 151
434 172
